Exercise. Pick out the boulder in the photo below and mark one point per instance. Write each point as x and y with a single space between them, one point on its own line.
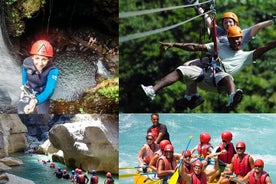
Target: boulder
11 161
12 179
89 142
12 134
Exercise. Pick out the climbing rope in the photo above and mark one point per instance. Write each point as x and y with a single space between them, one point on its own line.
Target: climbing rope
156 31
145 12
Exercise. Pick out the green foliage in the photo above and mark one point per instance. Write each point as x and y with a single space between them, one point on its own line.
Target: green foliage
143 62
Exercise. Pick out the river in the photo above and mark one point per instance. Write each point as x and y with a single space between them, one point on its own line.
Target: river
34 169
256 130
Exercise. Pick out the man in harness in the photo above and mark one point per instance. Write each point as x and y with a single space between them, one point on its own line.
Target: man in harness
39 78
232 60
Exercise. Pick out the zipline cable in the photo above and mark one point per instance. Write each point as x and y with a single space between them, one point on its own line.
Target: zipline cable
144 12
148 33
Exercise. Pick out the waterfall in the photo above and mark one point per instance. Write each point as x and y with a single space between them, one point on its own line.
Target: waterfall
10 78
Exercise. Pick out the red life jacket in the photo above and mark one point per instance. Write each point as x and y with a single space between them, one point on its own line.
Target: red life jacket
149 152
226 158
169 165
199 180
94 180
241 168
261 180
81 178
202 150
187 170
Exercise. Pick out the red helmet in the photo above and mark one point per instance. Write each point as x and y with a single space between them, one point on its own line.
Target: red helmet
149 134
108 174
198 163
259 162
187 153
163 143
241 145
226 136
79 171
42 48
169 147
205 137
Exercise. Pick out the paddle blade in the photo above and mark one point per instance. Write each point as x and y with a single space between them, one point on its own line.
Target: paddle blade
127 175
174 177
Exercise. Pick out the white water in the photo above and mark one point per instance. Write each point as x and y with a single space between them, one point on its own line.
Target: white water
10 78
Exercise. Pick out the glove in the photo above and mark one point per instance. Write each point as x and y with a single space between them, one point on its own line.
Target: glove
28 109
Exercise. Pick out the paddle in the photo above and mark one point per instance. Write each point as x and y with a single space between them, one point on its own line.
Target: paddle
131 167
235 179
174 177
134 174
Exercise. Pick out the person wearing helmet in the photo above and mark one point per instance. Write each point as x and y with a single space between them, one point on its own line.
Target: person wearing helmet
108 179
58 173
257 175
166 164
39 78
240 165
158 129
81 177
204 147
157 154
191 98
197 176
225 150
94 178
73 176
147 152
187 166
218 76
65 175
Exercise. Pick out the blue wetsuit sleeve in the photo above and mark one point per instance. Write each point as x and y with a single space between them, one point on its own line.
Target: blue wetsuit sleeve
50 86
24 76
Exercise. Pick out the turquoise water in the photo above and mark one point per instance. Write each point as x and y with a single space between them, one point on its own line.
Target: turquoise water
256 130
41 173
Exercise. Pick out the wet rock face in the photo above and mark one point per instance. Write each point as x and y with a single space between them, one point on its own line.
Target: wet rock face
12 134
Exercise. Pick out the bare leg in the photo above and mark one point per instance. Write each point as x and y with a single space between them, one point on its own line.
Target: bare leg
226 85
167 80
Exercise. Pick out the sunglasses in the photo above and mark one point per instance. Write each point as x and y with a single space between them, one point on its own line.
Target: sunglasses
187 157
149 139
258 166
239 148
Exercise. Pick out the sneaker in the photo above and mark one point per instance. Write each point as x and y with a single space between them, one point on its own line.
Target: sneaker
183 103
235 98
195 101
149 91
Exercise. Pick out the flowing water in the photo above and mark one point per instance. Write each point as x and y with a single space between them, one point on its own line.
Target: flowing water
34 169
10 78
256 130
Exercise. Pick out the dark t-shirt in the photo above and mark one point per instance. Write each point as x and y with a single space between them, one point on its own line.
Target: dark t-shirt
163 129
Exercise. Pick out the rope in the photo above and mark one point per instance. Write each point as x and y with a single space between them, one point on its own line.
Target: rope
144 12
148 33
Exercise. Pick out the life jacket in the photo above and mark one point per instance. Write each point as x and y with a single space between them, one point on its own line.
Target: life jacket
94 180
149 152
261 180
202 150
109 181
35 80
226 158
241 168
169 165
81 178
188 170
199 179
